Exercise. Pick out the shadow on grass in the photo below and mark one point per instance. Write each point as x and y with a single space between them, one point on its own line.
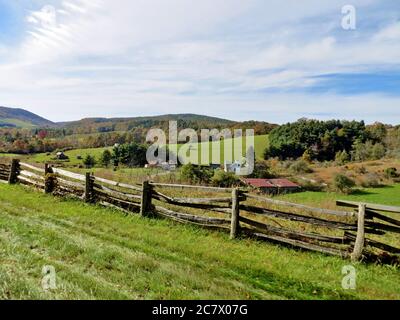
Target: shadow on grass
361 192
369 191
383 186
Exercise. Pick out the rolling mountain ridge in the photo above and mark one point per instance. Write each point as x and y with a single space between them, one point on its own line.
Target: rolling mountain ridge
20 118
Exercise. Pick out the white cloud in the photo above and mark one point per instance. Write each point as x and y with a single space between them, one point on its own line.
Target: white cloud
390 33
104 102
137 56
73 7
47 17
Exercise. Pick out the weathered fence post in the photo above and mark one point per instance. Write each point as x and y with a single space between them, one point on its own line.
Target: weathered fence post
89 188
235 213
14 172
145 205
360 239
48 179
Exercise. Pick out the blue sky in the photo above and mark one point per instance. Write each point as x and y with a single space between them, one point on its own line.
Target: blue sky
10 23
257 59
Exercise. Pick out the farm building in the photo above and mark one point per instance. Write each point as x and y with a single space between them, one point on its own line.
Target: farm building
61 156
163 165
232 167
272 186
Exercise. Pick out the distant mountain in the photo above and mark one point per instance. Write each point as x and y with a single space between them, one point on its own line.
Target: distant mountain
167 117
142 124
94 125
20 118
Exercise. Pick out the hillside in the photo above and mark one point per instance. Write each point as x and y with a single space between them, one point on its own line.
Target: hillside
20 118
193 121
102 254
166 117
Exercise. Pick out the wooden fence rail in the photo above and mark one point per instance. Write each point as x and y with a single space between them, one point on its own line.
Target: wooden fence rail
334 232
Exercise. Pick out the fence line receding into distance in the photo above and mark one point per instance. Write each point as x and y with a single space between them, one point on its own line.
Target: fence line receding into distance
356 234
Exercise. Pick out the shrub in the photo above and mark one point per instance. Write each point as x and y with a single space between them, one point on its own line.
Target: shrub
196 174
307 156
261 170
343 184
300 166
368 151
378 151
308 185
89 161
286 164
224 179
371 180
105 158
342 157
361 170
391 173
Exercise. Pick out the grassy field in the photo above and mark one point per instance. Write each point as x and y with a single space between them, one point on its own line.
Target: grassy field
18 123
389 195
261 142
224 147
72 154
102 254
9 155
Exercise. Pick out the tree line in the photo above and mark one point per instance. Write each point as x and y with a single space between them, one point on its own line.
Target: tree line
92 133
332 140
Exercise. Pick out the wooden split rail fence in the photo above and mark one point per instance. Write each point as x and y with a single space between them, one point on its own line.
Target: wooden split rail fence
358 234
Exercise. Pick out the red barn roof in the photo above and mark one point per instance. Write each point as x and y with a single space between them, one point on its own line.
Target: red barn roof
271 183
259 183
284 183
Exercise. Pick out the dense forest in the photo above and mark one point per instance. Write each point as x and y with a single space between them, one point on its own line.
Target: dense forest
333 140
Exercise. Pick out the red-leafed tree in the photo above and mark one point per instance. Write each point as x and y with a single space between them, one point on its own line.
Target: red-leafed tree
42 134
